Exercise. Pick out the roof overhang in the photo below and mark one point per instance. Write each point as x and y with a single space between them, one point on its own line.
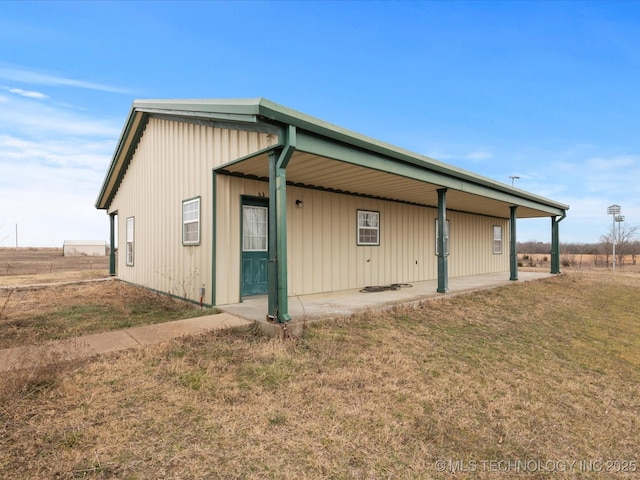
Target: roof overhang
334 166
335 159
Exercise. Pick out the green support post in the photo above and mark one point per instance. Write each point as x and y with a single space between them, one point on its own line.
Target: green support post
513 246
272 266
555 245
443 273
112 245
278 278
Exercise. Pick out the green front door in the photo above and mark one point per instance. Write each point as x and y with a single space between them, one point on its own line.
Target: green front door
255 246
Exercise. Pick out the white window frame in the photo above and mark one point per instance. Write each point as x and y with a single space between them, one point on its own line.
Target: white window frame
191 221
129 241
446 238
364 222
497 240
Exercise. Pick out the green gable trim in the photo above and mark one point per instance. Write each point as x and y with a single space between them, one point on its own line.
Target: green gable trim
127 144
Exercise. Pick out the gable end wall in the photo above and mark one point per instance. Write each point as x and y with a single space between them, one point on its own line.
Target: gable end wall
173 162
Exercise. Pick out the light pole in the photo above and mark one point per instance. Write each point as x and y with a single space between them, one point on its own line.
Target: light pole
513 179
614 210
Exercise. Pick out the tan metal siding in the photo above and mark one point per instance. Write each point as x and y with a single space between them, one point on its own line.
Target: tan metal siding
173 162
471 250
323 240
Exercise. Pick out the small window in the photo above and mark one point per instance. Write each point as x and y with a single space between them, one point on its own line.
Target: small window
129 242
191 222
368 227
446 237
497 239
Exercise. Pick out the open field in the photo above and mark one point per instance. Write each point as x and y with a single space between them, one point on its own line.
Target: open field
579 261
536 379
47 265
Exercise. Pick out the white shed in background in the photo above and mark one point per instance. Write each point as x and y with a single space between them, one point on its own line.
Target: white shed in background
76 248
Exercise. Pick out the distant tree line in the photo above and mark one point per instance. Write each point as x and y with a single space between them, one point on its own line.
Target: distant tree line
624 236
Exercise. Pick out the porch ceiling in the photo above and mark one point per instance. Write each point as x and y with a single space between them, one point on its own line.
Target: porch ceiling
320 172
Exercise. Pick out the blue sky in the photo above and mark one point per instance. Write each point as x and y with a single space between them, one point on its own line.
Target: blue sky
547 91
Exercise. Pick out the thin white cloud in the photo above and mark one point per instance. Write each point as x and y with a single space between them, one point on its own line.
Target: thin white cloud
30 76
79 153
475 155
610 164
22 117
25 93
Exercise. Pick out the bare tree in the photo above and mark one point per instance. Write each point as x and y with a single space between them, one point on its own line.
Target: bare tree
625 235
607 243
634 249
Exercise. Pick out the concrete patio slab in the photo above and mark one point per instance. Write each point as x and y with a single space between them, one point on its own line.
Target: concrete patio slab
347 302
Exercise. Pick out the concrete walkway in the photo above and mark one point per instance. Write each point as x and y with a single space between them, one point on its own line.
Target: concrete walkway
82 347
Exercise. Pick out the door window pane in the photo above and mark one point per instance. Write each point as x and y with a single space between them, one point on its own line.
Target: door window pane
254 228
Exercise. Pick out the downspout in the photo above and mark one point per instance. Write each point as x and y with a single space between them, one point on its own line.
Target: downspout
513 246
443 268
278 278
214 236
112 245
555 243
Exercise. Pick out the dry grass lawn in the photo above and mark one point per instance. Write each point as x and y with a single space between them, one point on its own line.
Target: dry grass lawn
45 296
545 371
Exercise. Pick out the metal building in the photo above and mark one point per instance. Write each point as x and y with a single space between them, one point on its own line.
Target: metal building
221 199
77 248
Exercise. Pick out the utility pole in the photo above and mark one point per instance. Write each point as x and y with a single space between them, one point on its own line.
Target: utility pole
16 236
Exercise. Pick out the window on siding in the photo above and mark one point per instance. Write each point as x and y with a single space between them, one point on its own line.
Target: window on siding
497 239
368 227
129 242
446 238
191 222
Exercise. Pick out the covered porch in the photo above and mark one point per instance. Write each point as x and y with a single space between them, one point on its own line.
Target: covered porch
338 162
